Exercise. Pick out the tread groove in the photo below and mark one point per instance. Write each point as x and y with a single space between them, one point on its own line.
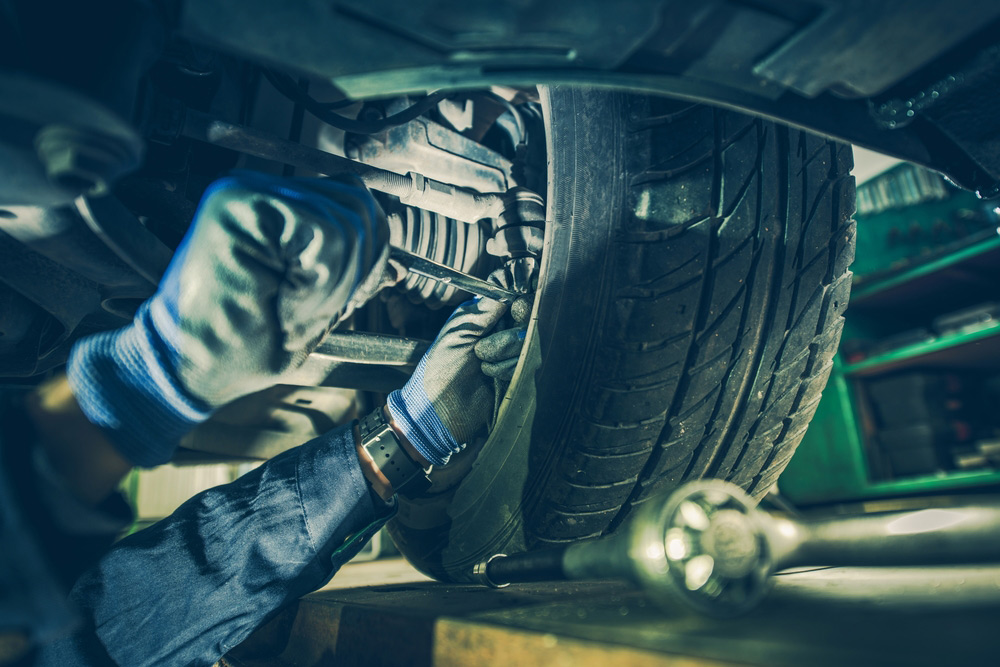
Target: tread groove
763 330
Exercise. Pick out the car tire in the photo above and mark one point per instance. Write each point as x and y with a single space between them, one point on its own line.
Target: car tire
693 282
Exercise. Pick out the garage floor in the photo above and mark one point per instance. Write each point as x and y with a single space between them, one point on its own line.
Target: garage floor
386 613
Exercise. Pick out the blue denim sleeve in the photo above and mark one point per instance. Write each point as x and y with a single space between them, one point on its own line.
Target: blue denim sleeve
191 587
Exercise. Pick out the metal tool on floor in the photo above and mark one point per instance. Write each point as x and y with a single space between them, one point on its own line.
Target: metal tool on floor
708 547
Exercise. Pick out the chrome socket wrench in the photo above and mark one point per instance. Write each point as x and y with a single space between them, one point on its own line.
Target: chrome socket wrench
707 547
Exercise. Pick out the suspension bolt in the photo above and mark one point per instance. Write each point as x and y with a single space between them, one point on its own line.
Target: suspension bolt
82 161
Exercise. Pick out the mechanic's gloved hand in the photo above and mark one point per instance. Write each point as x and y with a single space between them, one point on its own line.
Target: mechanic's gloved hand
269 265
449 399
500 351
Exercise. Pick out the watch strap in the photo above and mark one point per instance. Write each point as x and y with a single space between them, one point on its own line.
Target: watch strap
382 444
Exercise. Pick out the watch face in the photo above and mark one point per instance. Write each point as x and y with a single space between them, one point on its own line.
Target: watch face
383 446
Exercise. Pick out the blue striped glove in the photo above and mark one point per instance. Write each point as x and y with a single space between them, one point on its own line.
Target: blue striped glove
268 267
453 393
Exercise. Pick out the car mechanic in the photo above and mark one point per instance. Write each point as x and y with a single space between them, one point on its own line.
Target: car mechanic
268 267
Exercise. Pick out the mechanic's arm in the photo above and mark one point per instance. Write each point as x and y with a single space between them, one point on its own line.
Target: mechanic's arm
253 288
191 587
90 467
268 267
79 452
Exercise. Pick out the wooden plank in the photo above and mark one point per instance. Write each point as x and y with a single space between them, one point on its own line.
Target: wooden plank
856 616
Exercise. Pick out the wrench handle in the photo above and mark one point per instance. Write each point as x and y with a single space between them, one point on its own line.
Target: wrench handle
924 537
422 266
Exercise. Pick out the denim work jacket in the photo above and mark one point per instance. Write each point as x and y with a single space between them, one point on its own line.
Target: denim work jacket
194 585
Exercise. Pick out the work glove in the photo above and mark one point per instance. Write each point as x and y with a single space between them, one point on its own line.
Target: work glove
454 392
500 351
268 267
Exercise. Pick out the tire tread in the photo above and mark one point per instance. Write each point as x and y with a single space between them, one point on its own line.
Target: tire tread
682 338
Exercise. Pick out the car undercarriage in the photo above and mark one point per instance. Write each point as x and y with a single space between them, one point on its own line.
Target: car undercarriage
671 180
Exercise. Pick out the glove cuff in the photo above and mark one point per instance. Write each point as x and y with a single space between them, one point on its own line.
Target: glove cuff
125 384
414 415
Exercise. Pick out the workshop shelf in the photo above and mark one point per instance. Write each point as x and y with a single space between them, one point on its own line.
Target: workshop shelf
970 265
978 349
910 300
906 409
944 481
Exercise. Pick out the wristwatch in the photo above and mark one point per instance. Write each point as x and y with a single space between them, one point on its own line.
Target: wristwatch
384 448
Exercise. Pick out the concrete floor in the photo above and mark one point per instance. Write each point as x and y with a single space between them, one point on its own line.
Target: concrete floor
386 613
